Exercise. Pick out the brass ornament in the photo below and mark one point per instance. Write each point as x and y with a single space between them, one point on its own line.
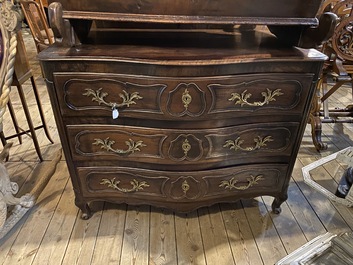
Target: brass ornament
185 186
106 144
180 147
136 186
186 147
231 184
242 99
186 98
259 143
180 98
98 96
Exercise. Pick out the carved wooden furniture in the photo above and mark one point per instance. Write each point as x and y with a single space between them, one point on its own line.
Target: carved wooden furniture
22 73
338 69
44 2
179 118
10 21
38 23
9 25
39 179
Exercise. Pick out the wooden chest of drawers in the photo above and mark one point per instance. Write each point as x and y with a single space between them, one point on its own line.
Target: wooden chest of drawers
203 118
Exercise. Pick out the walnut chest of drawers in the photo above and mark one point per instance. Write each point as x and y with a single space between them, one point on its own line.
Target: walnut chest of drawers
203 117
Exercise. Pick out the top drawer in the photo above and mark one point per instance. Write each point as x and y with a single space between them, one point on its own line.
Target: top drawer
164 98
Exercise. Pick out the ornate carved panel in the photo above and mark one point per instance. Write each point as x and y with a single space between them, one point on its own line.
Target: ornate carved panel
85 92
185 147
342 39
173 186
123 182
185 188
118 143
265 139
245 180
259 93
187 99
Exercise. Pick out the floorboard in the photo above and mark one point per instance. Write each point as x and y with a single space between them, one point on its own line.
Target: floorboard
162 237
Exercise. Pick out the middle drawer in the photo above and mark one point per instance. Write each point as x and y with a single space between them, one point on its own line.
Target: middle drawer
172 146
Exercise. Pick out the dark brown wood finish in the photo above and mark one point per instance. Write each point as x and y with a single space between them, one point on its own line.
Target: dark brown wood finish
206 116
304 30
171 11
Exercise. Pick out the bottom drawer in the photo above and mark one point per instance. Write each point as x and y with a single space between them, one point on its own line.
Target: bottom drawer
162 188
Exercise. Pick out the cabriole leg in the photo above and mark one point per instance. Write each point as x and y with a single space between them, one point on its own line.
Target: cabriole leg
83 206
276 204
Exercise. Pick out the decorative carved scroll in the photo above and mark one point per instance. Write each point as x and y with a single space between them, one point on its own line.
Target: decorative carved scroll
10 23
8 189
342 41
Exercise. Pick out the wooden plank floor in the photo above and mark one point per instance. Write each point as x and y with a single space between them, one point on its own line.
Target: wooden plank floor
245 232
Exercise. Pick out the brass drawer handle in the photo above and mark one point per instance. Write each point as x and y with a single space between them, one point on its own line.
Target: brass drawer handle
236 144
231 184
242 99
127 99
136 186
106 144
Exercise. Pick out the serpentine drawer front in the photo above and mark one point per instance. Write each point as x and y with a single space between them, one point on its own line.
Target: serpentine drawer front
182 98
122 183
166 146
181 123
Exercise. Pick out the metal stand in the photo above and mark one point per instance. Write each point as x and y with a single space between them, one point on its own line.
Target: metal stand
22 74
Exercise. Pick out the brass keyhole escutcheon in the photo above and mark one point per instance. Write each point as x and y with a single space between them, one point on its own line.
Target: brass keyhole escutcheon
185 186
186 147
186 98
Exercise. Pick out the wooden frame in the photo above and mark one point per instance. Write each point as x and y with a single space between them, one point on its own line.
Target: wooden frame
345 156
324 249
38 24
290 21
10 22
185 11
